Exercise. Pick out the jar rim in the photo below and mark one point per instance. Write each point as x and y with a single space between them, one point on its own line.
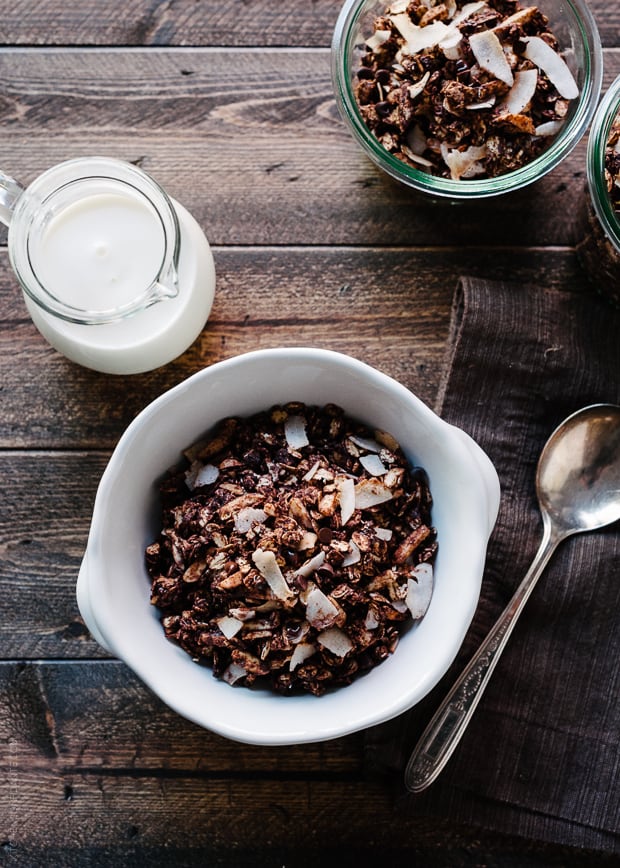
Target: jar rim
606 113
422 181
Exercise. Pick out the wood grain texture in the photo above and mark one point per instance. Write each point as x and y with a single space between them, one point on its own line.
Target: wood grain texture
388 307
253 146
191 23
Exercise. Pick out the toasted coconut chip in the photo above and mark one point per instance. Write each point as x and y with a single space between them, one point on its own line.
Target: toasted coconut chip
377 39
468 10
419 590
307 568
266 564
371 492
301 653
418 38
353 556
397 7
371 622
461 162
233 673
451 44
307 541
248 516
229 626
400 606
346 498
365 443
416 89
416 158
372 464
554 66
321 612
416 140
384 533
520 94
386 439
201 474
336 641
550 128
490 55
474 106
308 476
295 432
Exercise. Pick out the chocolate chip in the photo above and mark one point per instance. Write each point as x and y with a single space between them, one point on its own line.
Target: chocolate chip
325 535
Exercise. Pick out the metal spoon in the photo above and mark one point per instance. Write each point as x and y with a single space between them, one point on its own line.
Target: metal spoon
578 489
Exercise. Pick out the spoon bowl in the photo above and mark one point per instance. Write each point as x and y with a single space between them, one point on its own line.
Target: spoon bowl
578 489
578 477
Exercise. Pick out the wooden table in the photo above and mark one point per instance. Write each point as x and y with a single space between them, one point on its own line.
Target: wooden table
230 107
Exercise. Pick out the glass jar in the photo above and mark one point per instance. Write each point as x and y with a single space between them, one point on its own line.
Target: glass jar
572 23
598 243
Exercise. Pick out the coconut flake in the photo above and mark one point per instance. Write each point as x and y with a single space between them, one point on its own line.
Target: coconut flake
353 556
372 464
200 474
377 39
321 612
418 38
416 158
384 533
307 568
366 442
474 106
229 626
416 140
550 128
336 641
371 621
520 94
295 432
419 590
490 55
468 10
308 476
301 653
554 66
233 672
371 492
461 162
416 89
266 564
247 516
346 498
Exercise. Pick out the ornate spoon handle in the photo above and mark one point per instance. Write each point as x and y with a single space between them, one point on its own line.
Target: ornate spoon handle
445 729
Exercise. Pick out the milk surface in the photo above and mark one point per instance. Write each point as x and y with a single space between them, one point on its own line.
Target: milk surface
100 252
103 251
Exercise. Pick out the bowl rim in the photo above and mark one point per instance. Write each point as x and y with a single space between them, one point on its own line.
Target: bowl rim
124 647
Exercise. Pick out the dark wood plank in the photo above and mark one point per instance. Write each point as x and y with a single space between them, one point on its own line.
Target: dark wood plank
186 22
86 717
388 307
252 144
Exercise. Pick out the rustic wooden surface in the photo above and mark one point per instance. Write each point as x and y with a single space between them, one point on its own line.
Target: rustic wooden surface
229 106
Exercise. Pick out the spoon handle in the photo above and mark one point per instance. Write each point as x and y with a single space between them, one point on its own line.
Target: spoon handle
445 729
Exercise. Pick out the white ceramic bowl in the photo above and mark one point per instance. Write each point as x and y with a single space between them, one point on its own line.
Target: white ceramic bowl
113 586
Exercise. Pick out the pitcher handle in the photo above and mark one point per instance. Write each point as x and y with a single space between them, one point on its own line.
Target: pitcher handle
10 191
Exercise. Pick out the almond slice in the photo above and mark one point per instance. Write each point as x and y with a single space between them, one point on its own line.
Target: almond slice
554 66
490 55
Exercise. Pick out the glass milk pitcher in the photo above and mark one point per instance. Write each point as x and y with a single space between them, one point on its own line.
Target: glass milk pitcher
115 275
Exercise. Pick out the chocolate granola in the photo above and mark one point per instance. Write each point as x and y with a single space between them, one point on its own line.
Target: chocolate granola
464 91
612 163
294 546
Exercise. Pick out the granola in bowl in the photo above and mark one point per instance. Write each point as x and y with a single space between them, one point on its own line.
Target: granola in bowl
295 545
